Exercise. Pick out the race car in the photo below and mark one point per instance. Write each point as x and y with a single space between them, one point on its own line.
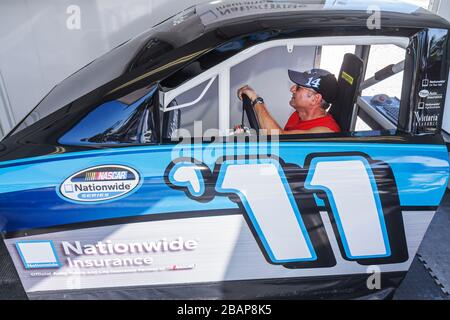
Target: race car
128 179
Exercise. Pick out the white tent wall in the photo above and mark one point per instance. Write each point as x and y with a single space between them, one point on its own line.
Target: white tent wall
42 42
441 7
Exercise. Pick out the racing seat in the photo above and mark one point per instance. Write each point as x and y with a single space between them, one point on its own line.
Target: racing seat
348 86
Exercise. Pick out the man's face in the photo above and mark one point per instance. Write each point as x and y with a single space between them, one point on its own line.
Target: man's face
302 97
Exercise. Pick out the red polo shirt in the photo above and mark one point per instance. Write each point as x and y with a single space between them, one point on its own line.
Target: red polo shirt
295 123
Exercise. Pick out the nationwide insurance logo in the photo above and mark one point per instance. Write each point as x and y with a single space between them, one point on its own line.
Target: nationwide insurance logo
38 254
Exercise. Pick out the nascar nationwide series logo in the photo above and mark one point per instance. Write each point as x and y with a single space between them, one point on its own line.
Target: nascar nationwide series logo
100 183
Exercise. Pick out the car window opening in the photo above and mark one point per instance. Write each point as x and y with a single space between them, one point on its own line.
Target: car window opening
368 99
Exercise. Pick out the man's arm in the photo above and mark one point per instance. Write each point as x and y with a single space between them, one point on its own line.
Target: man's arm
267 122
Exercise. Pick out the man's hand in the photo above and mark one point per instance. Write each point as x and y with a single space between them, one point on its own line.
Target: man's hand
248 91
239 129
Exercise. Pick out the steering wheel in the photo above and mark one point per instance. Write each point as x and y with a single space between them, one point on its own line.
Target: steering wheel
250 112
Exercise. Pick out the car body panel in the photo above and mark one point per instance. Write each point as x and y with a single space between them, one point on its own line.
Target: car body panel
419 183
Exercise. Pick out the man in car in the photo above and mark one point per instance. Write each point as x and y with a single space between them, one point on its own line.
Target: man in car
312 93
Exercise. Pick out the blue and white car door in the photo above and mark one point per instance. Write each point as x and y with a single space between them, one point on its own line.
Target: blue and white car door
219 211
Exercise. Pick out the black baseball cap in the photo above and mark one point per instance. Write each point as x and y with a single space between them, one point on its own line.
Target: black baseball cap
319 80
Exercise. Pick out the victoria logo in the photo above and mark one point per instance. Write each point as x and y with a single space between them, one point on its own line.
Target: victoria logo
100 183
426 120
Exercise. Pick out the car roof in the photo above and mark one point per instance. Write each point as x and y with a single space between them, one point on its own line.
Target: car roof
318 12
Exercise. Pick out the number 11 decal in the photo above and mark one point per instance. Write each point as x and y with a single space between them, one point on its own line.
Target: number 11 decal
258 182
280 207
353 196
362 201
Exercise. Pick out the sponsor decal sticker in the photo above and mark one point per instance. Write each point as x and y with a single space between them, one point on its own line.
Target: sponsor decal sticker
38 254
426 120
100 183
424 93
77 255
347 77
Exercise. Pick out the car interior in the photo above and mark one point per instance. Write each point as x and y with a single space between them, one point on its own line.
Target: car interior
200 100
369 78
